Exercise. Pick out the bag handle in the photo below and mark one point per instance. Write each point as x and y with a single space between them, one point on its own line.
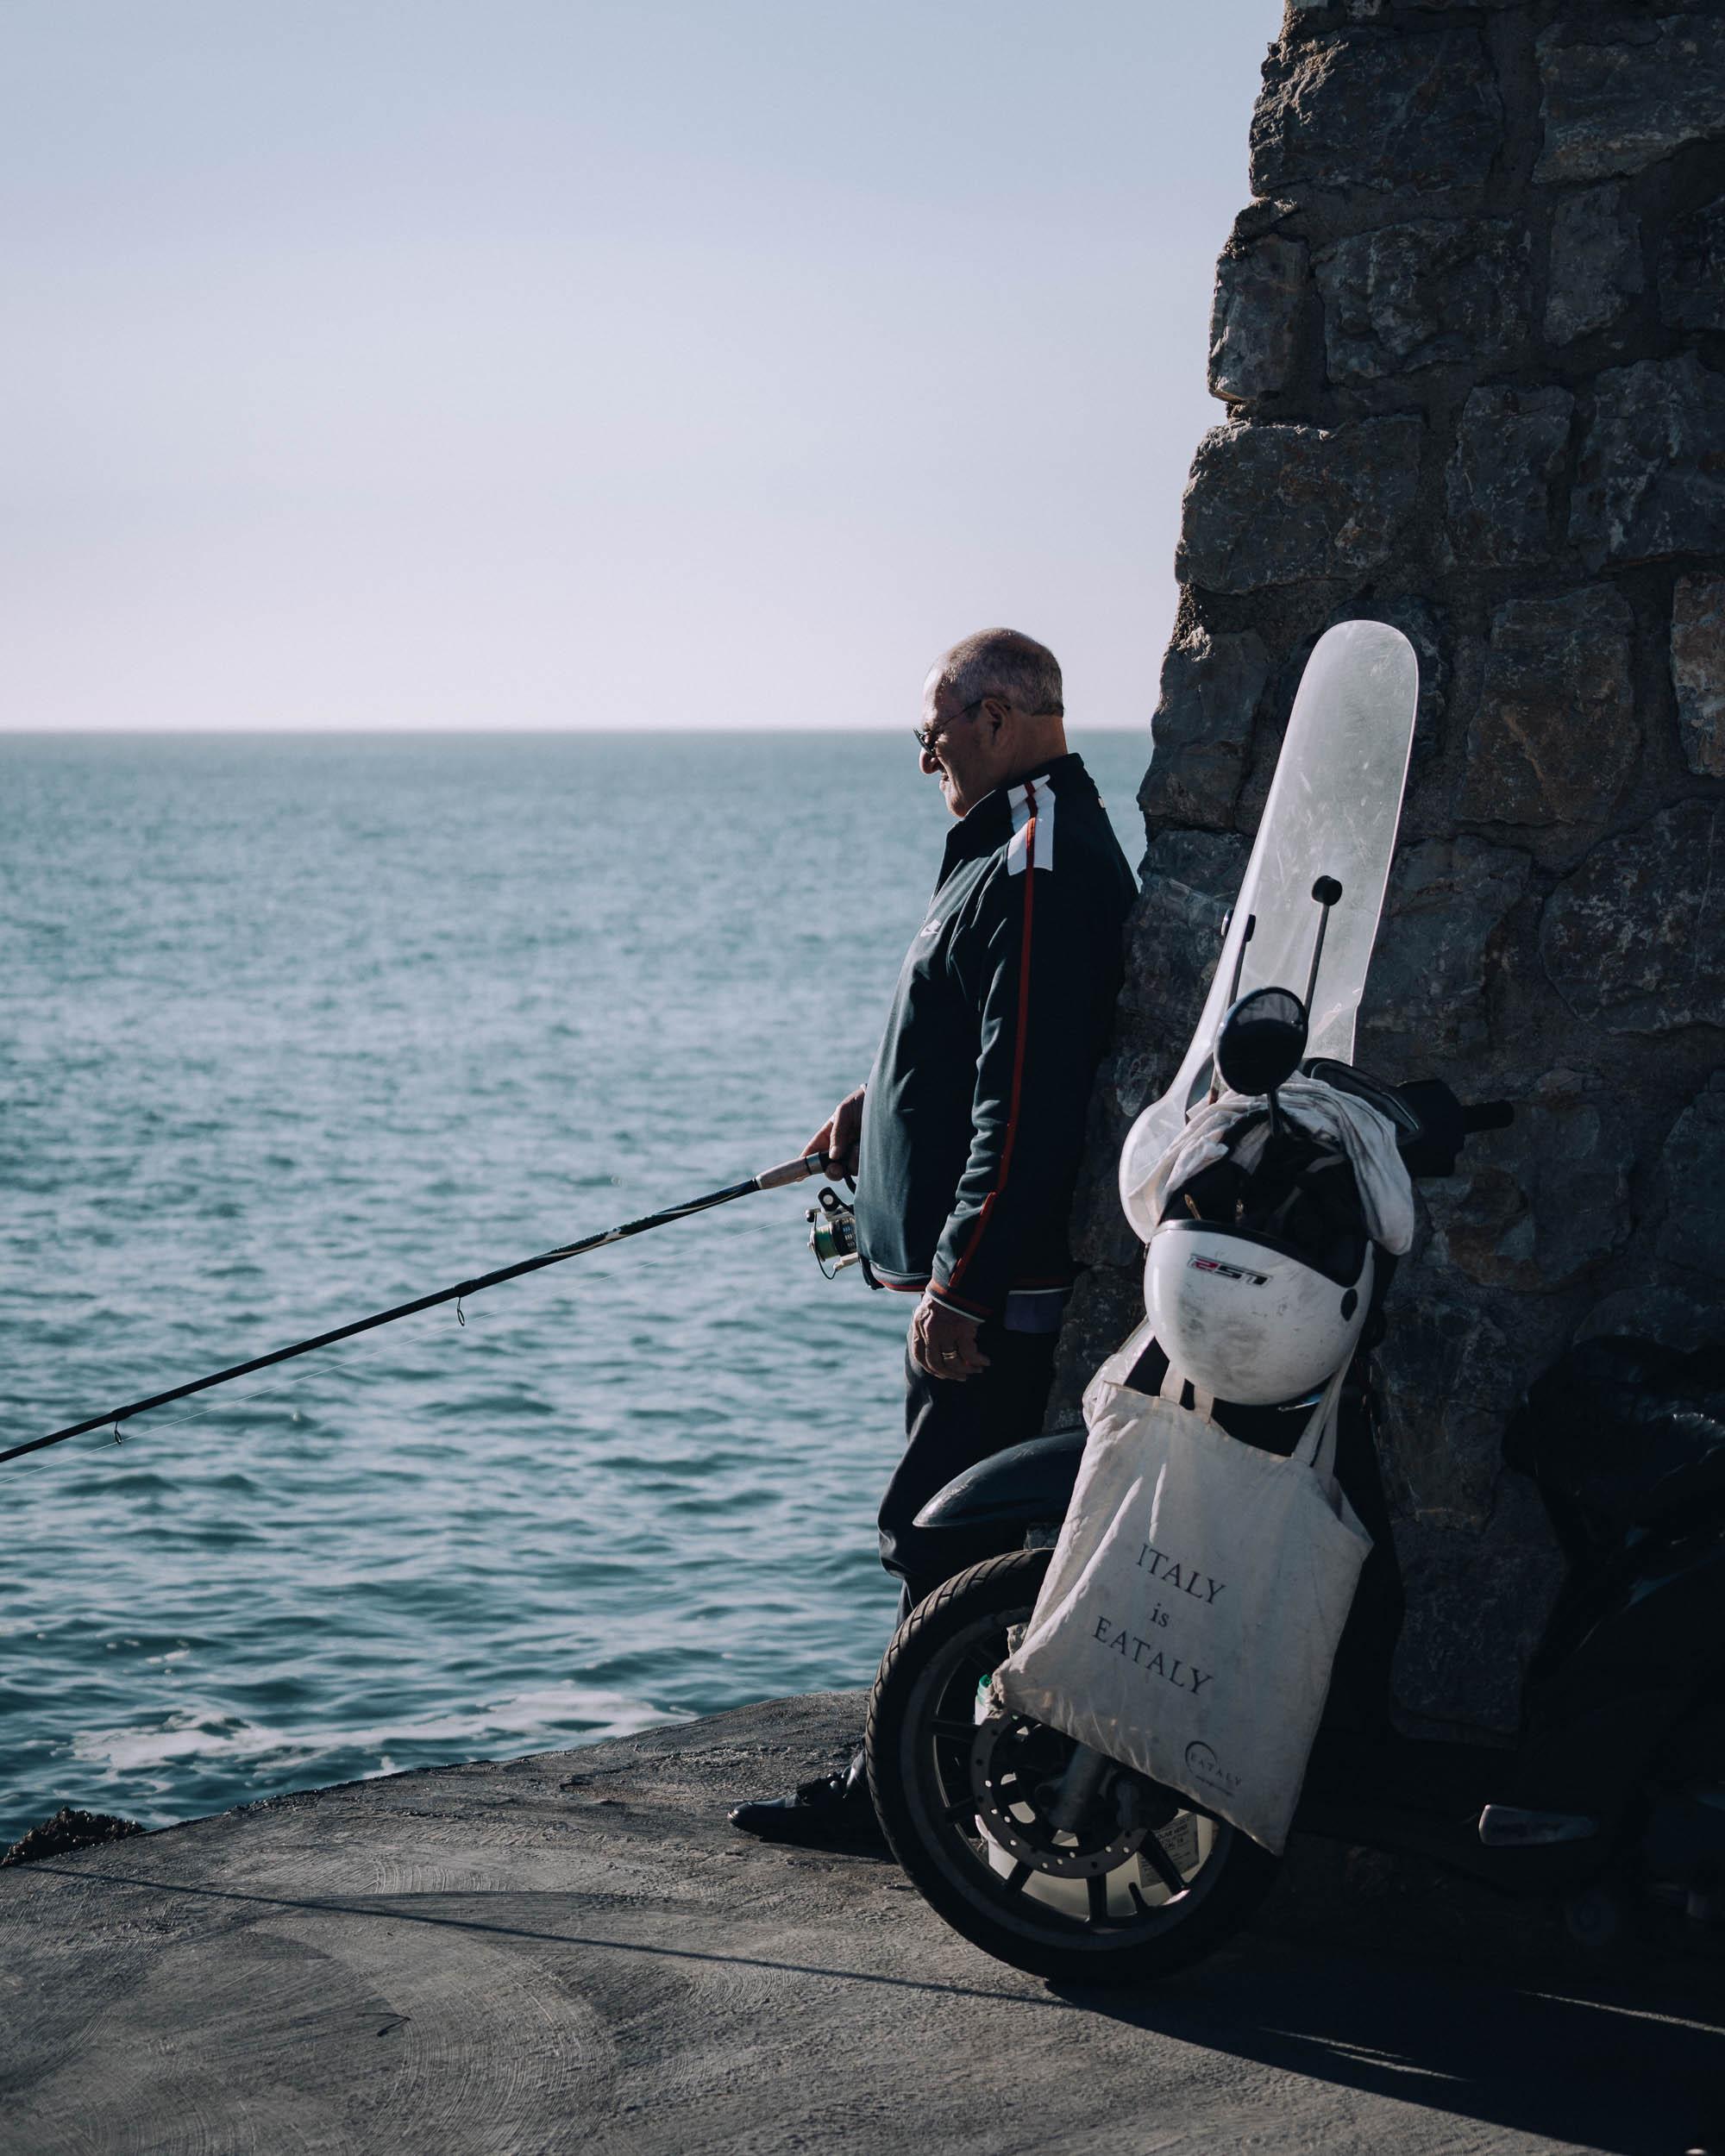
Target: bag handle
1174 1387
1317 1446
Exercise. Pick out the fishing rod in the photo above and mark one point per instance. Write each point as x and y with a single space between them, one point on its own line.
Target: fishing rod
792 1171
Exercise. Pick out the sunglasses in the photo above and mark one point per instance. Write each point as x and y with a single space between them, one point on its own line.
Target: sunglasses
926 736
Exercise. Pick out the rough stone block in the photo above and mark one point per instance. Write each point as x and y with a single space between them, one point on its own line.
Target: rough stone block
1359 109
1417 295
1536 1206
1691 275
1509 458
1697 670
1618 95
1447 898
1635 940
1693 1172
1190 881
1555 737
1106 1304
1651 479
1664 1314
1203 727
1173 941
1269 505
1255 321
1446 1395
1477 1603
1596 263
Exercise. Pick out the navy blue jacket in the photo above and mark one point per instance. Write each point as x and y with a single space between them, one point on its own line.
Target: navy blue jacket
973 1123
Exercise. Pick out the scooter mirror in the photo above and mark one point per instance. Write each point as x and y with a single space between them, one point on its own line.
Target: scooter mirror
1261 1041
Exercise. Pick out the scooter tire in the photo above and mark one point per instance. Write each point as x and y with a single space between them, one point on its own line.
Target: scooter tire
1234 1878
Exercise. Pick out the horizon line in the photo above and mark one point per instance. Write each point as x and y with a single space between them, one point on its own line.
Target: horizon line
468 733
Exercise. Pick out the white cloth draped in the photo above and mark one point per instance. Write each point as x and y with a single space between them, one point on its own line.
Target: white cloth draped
1367 1138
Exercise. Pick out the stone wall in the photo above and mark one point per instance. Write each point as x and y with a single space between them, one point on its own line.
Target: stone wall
1471 337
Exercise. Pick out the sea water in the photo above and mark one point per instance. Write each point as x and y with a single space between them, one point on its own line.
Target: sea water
295 1029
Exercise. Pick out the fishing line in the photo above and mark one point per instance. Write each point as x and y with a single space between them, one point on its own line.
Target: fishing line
350 1363
786 1172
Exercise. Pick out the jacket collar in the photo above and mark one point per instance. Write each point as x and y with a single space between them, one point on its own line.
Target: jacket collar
989 824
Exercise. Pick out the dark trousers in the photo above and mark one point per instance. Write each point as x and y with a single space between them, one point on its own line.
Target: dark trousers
949 1426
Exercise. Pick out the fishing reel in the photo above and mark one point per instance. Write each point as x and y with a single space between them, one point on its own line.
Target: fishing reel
832 1232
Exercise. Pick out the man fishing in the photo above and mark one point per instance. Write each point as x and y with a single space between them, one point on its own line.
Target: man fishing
965 1141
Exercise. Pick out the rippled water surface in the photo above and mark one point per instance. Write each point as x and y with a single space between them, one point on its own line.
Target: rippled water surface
296 1029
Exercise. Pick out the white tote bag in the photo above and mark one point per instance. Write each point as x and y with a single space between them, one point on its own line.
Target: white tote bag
1195 1601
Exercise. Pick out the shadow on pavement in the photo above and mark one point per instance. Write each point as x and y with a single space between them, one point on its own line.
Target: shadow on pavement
1631 2071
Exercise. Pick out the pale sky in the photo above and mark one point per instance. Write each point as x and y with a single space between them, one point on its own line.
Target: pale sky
553 363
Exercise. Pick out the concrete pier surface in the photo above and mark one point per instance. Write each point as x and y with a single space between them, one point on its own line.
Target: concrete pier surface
578 1951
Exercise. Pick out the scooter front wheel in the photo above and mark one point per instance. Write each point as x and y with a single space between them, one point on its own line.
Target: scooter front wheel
977 1805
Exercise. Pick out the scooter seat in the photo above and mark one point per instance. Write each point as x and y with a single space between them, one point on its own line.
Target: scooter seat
1621 1433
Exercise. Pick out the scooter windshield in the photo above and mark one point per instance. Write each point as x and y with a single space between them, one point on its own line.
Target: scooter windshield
1333 808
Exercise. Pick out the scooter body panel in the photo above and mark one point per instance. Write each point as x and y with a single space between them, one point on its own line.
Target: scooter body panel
1028 1485
1369 1820
1645 1644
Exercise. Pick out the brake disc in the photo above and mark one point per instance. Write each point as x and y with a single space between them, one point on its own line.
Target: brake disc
1007 1777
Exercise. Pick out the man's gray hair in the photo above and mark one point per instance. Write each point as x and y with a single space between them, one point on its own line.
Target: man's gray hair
1001 663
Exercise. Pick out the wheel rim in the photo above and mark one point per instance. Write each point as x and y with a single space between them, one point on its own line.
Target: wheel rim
979 1784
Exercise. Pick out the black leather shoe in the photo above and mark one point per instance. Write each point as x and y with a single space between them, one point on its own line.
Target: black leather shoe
835 1811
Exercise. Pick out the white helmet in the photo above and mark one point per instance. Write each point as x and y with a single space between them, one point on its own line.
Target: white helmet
1247 1316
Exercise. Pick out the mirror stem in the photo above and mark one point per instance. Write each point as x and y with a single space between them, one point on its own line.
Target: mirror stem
1239 958
1326 890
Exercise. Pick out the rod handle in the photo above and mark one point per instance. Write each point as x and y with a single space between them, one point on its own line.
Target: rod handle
791 1171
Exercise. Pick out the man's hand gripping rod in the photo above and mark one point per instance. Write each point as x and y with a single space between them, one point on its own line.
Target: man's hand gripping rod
790 1171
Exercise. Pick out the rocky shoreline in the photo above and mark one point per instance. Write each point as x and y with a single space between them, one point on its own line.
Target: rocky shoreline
69 1829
